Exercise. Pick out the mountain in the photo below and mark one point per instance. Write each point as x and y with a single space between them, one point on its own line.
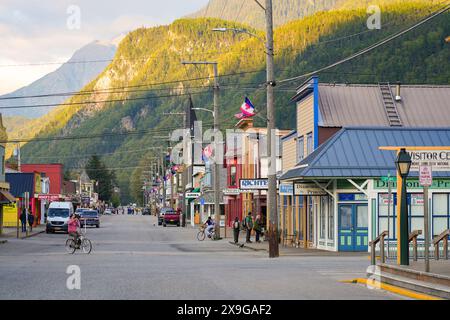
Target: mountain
72 76
146 73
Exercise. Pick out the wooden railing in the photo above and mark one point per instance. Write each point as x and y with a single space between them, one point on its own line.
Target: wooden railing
373 245
413 237
442 237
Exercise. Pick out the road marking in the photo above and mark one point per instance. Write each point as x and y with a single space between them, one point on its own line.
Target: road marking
393 289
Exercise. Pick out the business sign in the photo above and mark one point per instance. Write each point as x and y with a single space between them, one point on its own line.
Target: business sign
438 159
49 197
254 184
414 184
192 195
425 176
305 189
286 189
85 201
231 192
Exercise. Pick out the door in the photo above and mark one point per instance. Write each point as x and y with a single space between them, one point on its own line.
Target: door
353 227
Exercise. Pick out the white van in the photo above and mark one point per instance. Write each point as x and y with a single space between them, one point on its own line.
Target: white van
58 215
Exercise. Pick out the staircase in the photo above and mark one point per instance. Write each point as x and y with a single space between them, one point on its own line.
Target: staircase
389 105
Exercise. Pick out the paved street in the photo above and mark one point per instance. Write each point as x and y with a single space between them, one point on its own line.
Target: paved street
134 259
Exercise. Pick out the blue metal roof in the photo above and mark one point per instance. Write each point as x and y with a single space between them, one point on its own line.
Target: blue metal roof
354 152
20 183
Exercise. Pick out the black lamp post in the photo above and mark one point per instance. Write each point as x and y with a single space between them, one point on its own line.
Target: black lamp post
403 164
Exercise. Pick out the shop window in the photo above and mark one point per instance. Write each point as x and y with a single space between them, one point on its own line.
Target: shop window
233 176
331 219
441 213
323 215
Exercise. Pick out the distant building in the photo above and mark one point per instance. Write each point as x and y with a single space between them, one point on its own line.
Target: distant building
5 196
52 171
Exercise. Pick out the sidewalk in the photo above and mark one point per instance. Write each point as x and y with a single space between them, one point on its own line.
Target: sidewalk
292 251
9 233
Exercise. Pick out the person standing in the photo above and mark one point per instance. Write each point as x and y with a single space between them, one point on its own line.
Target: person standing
23 220
31 220
236 229
258 228
249 226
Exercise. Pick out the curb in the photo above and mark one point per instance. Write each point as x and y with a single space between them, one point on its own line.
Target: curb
246 247
393 289
32 235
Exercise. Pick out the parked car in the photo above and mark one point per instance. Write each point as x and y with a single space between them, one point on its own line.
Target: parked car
107 211
58 216
171 217
146 211
162 213
90 218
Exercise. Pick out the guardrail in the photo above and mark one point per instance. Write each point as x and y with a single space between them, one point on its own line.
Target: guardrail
373 245
444 238
413 237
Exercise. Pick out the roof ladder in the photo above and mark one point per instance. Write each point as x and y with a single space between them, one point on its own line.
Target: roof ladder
389 105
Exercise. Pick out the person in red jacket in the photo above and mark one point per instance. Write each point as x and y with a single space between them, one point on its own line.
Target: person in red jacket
73 225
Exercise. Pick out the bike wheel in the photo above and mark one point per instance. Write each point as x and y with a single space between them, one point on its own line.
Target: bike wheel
86 246
70 246
201 236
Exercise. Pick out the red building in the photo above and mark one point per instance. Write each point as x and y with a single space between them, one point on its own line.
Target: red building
53 171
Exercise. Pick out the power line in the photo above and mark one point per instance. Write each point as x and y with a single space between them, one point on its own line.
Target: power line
372 47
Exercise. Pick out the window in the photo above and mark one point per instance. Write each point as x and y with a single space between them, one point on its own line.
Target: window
330 219
233 176
323 216
441 213
309 143
300 149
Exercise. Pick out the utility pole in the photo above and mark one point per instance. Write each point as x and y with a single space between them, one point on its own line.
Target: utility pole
271 137
216 145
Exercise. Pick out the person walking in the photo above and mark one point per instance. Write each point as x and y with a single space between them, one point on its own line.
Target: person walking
23 220
31 220
248 226
236 229
258 228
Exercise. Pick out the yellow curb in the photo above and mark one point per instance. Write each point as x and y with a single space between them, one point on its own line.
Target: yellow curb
393 289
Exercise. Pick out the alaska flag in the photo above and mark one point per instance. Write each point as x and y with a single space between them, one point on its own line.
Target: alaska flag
247 110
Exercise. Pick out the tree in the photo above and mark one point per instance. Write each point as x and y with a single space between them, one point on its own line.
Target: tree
104 179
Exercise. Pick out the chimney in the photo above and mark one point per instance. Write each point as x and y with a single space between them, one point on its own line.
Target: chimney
398 96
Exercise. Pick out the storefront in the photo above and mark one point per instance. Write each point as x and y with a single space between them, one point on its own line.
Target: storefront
339 199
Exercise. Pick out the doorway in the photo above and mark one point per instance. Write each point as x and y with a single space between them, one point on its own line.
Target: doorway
353 227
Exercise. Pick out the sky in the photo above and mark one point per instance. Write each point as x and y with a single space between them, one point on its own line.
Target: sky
42 31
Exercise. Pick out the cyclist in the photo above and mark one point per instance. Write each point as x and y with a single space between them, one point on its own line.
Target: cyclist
73 225
209 225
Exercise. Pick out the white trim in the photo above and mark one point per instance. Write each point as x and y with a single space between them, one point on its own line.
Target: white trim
360 188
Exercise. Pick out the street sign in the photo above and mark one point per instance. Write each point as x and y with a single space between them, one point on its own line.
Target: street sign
425 175
192 195
202 201
387 179
438 159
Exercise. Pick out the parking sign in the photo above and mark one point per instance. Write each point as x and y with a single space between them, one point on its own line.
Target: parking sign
425 175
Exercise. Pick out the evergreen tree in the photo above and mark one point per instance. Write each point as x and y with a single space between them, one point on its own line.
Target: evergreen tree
104 179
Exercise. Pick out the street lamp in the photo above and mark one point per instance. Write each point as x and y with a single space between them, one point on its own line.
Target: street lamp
403 164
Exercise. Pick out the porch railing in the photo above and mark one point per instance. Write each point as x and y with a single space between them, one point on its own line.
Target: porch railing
373 246
444 238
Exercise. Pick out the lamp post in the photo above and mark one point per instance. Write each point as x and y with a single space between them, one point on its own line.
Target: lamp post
403 164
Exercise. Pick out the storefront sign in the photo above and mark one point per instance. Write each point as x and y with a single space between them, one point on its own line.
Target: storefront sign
425 176
304 189
414 184
438 159
49 197
253 184
192 195
231 192
352 197
286 189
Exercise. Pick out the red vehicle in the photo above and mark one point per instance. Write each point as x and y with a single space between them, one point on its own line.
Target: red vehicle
170 216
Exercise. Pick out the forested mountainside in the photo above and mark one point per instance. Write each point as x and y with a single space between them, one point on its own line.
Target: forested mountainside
130 97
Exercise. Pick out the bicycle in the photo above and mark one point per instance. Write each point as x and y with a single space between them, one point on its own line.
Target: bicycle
83 243
201 235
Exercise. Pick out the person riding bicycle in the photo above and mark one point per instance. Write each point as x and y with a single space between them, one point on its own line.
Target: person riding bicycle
73 225
209 224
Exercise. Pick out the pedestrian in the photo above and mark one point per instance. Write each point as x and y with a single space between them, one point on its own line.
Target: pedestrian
248 226
258 228
236 229
31 221
23 220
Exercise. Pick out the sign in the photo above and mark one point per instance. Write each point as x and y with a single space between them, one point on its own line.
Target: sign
37 183
387 179
414 184
286 189
425 176
438 159
49 197
85 201
305 189
254 184
202 201
192 195
231 192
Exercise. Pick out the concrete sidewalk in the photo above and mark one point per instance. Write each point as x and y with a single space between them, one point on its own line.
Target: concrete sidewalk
9 233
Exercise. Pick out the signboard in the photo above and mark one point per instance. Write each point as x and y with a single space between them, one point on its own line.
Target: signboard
231 192
438 159
305 189
37 183
49 197
202 201
425 176
286 189
414 184
254 184
192 195
85 201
